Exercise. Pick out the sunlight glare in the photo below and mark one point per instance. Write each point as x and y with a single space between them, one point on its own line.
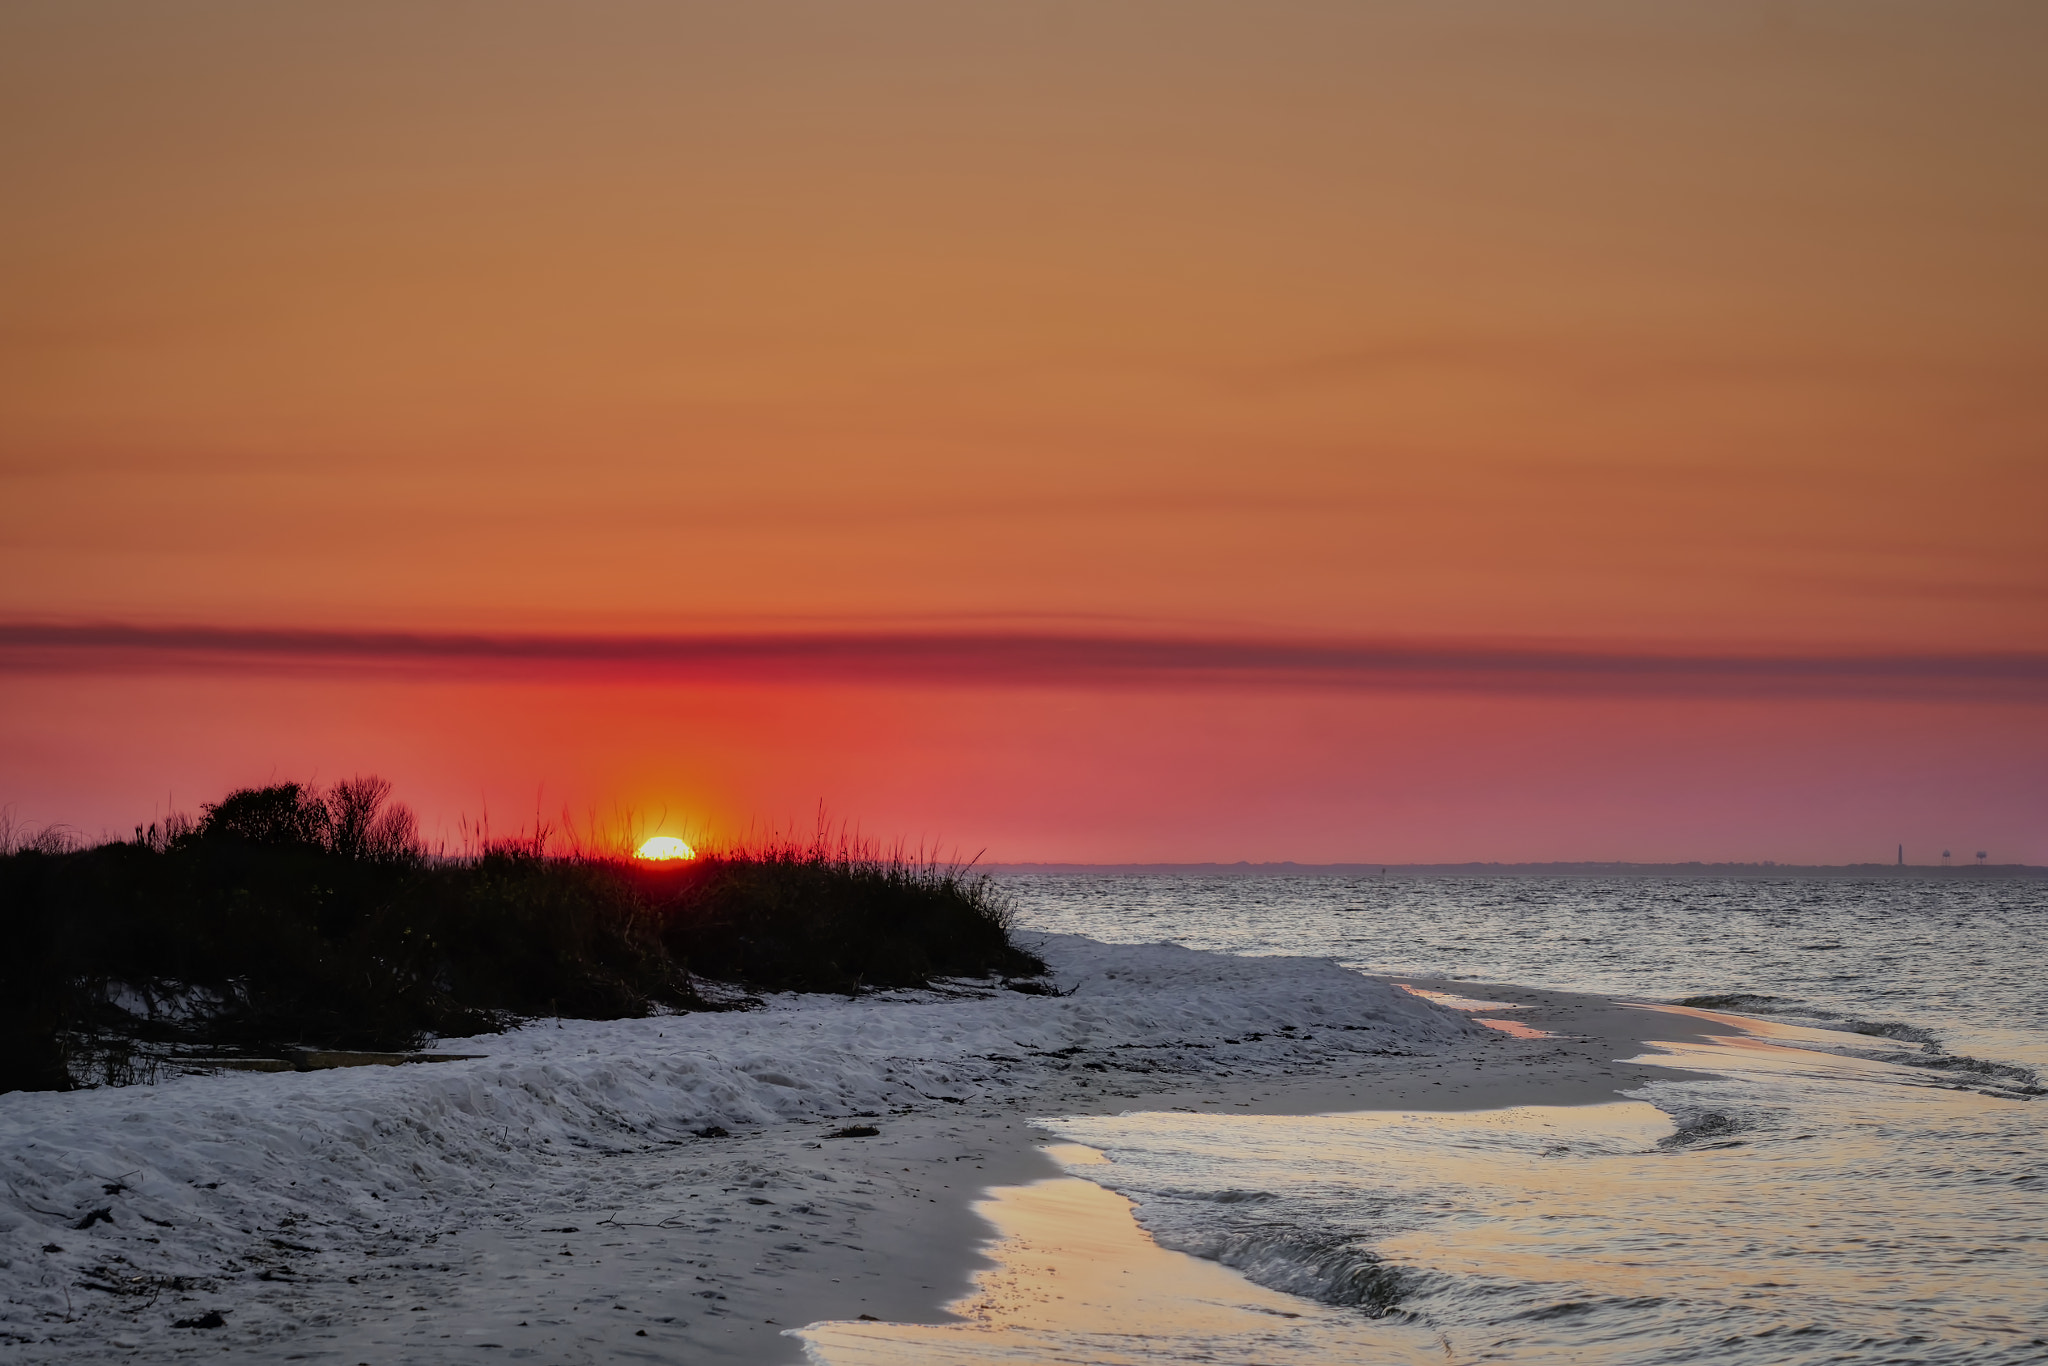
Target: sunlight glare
664 847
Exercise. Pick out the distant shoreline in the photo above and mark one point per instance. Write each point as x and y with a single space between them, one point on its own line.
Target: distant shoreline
1291 869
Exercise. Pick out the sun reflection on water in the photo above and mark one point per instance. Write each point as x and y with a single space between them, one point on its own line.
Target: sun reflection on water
1076 1280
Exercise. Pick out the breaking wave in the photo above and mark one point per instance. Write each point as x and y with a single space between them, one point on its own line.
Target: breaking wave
1327 1268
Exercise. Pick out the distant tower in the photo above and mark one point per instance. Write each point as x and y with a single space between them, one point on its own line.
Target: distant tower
1945 856
1981 856
1902 856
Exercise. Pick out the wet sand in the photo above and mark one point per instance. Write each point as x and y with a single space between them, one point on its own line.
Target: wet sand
1076 1269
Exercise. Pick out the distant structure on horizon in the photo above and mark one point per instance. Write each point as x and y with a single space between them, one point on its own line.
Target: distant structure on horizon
1902 856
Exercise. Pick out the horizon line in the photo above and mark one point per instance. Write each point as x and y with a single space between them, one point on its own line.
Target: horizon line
1045 658
1519 865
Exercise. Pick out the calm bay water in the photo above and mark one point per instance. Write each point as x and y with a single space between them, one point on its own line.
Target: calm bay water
1768 1214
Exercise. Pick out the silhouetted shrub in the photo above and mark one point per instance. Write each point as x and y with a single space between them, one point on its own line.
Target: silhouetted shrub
285 815
815 917
35 1001
286 918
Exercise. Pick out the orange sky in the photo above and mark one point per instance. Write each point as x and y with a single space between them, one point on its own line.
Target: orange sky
1699 328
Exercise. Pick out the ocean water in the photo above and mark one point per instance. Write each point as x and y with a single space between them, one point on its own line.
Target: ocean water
1875 1192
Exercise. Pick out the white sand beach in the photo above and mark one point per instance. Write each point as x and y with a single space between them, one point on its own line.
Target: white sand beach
570 1195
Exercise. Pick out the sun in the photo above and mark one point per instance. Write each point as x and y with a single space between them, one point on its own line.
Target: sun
664 847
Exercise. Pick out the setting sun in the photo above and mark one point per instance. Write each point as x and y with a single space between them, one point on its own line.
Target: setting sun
664 847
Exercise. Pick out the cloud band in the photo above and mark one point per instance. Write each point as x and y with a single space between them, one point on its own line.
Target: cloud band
1041 659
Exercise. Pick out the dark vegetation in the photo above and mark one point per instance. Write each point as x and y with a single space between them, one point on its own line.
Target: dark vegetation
286 918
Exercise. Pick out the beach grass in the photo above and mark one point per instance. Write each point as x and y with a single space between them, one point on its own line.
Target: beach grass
286 918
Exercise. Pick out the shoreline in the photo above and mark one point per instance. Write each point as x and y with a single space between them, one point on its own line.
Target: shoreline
1705 871
907 1199
711 1248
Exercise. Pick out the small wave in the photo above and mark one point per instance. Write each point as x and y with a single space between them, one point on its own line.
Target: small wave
1229 1196
2008 1075
1732 1000
1711 1127
1892 1029
1756 1003
1576 1308
1328 1269
2005 1078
